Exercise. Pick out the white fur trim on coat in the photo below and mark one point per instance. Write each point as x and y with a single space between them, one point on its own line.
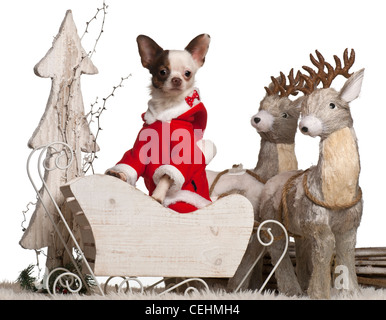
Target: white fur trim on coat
173 173
158 111
129 171
167 115
185 196
208 148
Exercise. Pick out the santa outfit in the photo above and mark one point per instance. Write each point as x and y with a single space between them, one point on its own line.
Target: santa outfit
170 142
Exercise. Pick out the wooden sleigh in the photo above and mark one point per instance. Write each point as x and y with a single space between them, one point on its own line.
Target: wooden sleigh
125 232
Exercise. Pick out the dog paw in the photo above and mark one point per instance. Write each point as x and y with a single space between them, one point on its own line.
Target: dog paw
119 175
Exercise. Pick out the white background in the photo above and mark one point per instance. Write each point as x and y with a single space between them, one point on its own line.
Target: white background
251 41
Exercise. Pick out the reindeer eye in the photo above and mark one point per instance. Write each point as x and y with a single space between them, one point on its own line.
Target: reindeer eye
332 106
284 115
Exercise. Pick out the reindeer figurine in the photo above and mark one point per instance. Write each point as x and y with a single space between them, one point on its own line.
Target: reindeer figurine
322 206
276 122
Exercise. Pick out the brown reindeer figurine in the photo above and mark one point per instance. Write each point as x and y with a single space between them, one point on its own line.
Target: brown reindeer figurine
276 122
321 206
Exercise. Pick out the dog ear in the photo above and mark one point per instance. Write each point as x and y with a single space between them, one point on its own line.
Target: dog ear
198 48
148 50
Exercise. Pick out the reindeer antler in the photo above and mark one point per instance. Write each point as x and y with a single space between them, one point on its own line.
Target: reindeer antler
314 78
280 86
348 62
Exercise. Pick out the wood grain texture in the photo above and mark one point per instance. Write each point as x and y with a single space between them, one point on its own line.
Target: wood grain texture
63 120
136 236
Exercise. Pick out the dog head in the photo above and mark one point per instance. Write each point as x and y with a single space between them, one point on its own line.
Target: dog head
173 71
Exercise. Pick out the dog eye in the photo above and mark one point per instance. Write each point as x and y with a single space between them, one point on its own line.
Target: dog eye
163 72
188 74
332 106
284 115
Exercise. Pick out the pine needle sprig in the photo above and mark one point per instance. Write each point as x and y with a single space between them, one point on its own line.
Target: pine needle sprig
26 280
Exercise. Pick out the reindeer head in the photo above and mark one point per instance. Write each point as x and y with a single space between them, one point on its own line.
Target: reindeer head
326 110
277 118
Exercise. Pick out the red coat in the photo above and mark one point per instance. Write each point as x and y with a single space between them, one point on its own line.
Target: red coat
172 148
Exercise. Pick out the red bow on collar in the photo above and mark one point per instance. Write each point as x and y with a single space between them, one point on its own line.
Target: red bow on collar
190 100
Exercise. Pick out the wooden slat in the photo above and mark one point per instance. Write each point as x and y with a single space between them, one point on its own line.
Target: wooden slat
370 252
378 263
374 282
371 270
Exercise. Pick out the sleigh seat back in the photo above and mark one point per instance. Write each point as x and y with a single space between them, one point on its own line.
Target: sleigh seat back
126 232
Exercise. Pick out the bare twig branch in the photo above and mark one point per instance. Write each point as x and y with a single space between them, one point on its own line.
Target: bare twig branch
104 7
90 157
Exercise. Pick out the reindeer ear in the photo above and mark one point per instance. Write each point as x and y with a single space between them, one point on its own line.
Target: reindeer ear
198 48
351 89
297 103
148 50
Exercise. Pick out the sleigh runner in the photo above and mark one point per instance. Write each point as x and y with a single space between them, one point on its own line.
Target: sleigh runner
126 232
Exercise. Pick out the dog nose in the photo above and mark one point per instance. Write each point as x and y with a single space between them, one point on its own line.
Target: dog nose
176 82
304 129
256 120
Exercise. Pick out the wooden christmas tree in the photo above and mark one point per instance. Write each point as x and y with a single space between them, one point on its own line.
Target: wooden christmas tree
64 121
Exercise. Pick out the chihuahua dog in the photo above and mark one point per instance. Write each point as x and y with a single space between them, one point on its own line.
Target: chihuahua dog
169 152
